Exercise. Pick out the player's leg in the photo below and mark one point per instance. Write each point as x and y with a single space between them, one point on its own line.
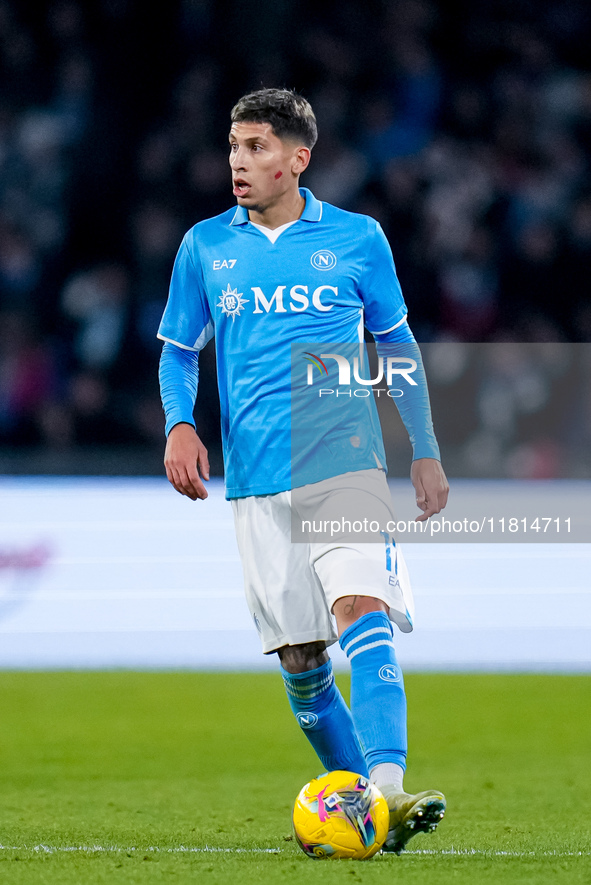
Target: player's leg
378 699
290 611
319 707
378 704
366 586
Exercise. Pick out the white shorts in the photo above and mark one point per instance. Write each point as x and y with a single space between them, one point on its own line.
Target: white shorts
291 588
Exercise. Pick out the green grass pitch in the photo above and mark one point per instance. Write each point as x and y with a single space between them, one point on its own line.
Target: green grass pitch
123 777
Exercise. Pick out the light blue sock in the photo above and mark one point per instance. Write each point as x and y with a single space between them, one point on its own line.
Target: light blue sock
325 718
378 701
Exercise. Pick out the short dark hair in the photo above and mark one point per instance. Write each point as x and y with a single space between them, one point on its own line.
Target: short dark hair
289 114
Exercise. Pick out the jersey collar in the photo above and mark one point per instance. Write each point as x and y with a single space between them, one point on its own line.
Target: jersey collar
312 209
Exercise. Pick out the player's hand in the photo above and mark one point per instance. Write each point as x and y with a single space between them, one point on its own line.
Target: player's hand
185 460
431 486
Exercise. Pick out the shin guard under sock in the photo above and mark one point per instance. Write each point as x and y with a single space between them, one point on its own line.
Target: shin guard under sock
325 719
378 701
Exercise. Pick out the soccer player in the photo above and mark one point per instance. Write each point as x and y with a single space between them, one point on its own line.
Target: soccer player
279 269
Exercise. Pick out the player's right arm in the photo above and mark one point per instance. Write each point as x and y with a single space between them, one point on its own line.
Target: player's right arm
185 458
186 461
185 328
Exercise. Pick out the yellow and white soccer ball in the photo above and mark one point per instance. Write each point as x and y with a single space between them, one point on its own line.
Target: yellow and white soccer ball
340 815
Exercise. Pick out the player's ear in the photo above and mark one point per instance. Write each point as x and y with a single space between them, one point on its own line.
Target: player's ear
300 159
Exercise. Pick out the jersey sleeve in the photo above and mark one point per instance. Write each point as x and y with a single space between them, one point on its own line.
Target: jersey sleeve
178 374
414 407
187 319
380 290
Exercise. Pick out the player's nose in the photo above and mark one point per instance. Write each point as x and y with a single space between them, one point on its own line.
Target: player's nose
237 160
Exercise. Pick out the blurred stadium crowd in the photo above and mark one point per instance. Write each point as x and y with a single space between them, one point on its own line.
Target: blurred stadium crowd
464 127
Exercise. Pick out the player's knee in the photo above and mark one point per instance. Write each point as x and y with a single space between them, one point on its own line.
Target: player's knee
301 658
349 609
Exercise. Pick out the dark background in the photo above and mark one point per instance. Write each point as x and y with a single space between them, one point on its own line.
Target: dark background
463 127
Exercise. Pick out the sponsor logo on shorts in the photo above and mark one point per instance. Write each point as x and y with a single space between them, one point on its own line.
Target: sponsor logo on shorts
257 623
390 673
307 720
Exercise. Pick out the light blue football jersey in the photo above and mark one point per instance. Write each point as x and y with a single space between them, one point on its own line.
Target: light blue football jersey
326 276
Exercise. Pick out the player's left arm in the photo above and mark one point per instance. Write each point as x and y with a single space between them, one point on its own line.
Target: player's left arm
431 486
385 317
427 474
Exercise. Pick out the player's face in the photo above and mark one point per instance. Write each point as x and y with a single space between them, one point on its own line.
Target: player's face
264 167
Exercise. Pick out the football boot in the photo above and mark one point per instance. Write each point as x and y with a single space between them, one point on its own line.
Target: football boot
411 814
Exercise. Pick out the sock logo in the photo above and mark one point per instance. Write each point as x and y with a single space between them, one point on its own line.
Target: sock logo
307 720
390 673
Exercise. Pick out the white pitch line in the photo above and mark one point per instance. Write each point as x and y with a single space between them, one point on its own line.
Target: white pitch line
179 849
493 852
208 849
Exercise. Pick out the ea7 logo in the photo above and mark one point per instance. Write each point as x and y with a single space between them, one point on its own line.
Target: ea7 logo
226 263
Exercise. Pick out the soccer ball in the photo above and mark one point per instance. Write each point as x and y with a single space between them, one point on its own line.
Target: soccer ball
340 814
